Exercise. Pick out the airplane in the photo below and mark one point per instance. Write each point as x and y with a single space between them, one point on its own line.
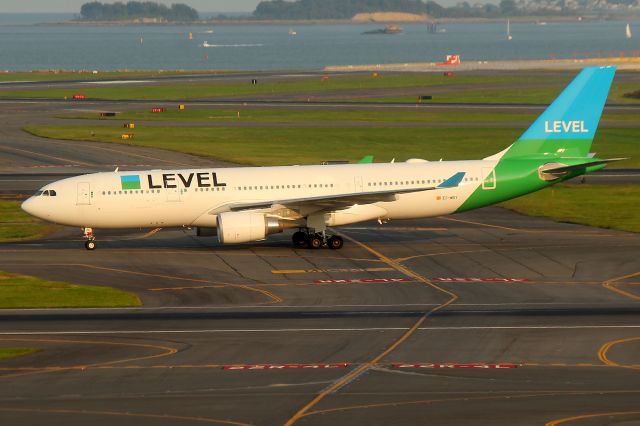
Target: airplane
247 204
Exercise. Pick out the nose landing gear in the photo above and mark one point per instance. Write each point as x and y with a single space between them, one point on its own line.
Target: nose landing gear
90 244
304 238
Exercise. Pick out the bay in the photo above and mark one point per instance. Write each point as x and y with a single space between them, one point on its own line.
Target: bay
24 46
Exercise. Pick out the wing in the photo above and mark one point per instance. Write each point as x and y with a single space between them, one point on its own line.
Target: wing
307 205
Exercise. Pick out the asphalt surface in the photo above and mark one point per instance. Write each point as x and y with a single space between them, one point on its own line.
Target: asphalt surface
488 317
563 326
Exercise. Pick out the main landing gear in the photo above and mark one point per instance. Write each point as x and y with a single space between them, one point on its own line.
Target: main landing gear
90 244
315 240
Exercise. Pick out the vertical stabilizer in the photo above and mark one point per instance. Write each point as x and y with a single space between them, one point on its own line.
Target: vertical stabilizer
567 127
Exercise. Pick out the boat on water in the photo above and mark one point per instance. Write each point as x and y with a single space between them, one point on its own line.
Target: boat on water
509 36
206 44
388 29
208 32
628 32
292 32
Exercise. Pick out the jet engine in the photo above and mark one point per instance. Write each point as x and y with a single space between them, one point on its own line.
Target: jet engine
243 227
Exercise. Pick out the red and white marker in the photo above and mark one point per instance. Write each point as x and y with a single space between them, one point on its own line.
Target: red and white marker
285 366
364 281
479 280
473 365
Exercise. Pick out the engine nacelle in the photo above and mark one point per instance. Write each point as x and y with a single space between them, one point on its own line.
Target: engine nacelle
244 227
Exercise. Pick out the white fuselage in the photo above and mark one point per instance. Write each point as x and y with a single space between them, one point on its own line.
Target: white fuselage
174 198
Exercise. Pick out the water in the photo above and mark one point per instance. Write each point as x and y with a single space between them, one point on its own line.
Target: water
270 47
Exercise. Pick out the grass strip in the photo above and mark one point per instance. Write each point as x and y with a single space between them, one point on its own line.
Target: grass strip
323 116
524 95
16 225
8 353
268 115
179 91
285 146
604 206
23 292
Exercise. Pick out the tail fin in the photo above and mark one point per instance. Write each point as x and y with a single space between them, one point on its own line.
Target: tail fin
567 127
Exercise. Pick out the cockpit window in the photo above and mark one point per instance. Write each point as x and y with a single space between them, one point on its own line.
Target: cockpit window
46 193
52 193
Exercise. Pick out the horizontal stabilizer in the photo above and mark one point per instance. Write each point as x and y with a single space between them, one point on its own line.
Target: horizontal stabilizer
563 168
553 171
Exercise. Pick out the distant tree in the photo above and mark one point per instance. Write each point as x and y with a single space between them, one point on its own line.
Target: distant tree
96 11
333 9
508 7
434 9
490 9
346 9
182 12
91 11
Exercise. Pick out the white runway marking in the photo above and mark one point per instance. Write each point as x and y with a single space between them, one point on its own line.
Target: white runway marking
115 82
288 307
299 330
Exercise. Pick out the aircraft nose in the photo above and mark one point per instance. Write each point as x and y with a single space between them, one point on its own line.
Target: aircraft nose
29 206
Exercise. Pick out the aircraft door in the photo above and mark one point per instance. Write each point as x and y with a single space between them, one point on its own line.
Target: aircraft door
357 184
488 178
84 193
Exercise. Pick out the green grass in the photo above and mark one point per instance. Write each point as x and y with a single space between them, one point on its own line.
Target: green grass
310 86
281 146
15 224
459 89
524 95
8 353
266 115
604 206
269 115
22 291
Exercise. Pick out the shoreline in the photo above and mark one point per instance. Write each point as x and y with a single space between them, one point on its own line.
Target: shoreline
622 63
230 22
626 63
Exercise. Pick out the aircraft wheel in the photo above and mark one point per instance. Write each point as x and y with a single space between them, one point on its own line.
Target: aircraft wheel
90 245
315 241
335 242
299 239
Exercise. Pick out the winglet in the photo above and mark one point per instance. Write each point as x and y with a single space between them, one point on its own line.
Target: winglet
367 159
453 181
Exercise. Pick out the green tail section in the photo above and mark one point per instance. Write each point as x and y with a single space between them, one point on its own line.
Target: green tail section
562 135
